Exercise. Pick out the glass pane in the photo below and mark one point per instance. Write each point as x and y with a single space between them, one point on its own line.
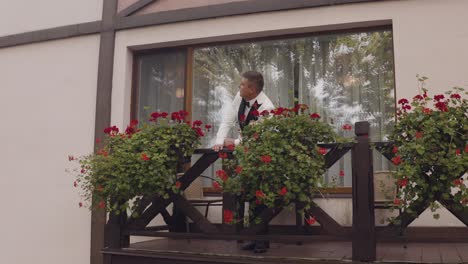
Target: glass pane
161 83
344 77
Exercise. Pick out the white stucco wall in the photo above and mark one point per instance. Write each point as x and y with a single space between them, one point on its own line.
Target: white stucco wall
19 16
47 109
430 37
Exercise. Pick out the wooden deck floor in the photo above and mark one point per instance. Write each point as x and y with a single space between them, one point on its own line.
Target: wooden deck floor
334 252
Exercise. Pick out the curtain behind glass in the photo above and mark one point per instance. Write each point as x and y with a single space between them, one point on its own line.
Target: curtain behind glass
161 83
344 77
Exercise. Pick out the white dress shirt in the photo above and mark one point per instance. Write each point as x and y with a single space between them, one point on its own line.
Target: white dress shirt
230 118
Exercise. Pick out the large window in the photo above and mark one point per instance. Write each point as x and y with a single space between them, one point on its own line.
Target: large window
345 77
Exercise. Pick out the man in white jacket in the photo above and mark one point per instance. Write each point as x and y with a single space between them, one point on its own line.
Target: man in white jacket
249 98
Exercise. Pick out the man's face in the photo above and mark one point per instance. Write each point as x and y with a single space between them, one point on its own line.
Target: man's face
246 89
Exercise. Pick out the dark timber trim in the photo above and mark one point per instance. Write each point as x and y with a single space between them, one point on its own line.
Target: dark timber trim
130 10
103 114
159 18
51 34
223 10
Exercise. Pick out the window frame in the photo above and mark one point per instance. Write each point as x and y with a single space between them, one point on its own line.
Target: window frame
339 192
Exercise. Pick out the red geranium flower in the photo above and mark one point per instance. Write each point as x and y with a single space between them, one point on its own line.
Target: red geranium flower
458 182
438 97
102 204
259 194
418 97
222 175
342 174
163 114
238 169
406 107
283 191
199 131
397 201
402 182
266 158
197 123
178 184
134 122
403 101
255 113
228 216
442 106
396 160
144 156
457 152
231 147
395 149
419 134
222 155
427 110
323 151
265 113
311 220
455 96
314 116
207 126
216 185
107 130
183 114
176 116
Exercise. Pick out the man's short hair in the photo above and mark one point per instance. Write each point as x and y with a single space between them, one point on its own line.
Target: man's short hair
256 78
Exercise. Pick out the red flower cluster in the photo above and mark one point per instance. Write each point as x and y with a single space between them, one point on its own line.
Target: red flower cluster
283 191
144 157
222 155
266 158
301 107
322 151
458 182
404 104
178 184
279 111
113 130
438 97
419 134
457 152
259 194
427 110
395 149
102 204
396 160
103 153
455 96
156 115
231 147
314 116
228 216
131 129
216 185
442 106
265 113
402 182
255 112
222 175
311 220
418 97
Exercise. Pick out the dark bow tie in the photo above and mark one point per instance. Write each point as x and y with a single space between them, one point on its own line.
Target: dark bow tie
244 102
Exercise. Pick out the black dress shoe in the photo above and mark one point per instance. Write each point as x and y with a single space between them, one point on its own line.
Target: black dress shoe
260 247
249 246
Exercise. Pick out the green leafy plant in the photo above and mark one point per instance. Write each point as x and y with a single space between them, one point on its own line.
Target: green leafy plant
279 161
431 150
140 161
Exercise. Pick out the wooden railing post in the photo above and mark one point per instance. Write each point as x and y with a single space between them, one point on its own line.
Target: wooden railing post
364 242
113 236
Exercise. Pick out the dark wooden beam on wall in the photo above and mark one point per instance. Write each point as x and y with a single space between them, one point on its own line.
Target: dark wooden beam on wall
126 20
51 34
103 113
224 10
135 7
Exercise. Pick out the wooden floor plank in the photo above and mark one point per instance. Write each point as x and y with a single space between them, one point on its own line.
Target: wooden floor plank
333 250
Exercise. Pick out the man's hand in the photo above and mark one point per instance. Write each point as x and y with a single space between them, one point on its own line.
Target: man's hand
218 147
229 141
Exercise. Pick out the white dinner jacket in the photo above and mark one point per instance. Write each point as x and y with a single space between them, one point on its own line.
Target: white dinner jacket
229 119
